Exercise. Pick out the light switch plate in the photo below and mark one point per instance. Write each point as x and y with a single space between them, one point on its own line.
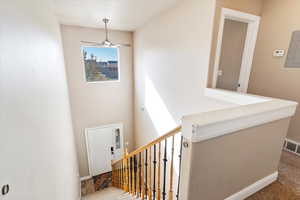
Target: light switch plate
220 73
278 53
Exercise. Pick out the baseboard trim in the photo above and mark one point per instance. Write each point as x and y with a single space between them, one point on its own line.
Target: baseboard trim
248 191
85 178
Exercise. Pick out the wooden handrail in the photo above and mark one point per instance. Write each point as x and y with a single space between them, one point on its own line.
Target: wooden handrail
156 141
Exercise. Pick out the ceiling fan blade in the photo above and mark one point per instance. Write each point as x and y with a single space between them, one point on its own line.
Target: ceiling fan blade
92 43
122 45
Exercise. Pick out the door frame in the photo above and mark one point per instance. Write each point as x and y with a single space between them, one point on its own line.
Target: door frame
253 22
117 125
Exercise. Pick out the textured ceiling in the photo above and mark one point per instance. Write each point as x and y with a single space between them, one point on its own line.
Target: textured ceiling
124 14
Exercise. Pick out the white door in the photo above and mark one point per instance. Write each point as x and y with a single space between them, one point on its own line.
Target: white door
104 144
233 42
235 50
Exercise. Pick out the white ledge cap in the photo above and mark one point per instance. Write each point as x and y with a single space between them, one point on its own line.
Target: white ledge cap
208 125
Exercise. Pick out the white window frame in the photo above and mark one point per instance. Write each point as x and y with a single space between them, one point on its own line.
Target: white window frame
84 72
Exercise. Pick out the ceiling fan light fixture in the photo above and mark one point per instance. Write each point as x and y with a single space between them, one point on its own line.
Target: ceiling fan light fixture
106 43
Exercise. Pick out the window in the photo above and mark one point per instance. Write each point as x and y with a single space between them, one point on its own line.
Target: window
101 64
118 139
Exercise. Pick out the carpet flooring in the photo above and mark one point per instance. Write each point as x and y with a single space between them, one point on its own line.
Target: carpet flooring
287 187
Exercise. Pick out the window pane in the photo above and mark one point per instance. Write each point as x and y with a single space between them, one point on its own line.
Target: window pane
101 64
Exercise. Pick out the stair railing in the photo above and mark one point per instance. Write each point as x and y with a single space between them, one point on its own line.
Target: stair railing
140 173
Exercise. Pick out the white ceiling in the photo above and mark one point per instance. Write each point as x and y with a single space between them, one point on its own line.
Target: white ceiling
124 14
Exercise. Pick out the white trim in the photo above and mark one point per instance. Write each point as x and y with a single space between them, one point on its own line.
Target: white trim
216 123
84 178
253 26
234 97
255 187
117 125
209 131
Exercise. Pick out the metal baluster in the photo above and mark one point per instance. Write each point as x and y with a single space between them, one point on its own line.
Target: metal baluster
122 174
180 157
146 172
142 177
154 171
135 172
171 170
140 174
137 176
131 178
127 175
150 178
158 171
165 171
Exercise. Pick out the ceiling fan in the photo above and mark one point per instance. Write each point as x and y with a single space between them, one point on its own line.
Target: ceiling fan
106 42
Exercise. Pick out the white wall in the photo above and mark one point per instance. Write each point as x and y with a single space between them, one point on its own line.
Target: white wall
37 151
279 20
102 103
171 55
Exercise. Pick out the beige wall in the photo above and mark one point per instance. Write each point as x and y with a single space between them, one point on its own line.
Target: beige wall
249 6
171 63
220 164
96 104
234 36
268 77
37 147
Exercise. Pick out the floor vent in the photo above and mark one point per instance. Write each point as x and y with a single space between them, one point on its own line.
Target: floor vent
292 146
